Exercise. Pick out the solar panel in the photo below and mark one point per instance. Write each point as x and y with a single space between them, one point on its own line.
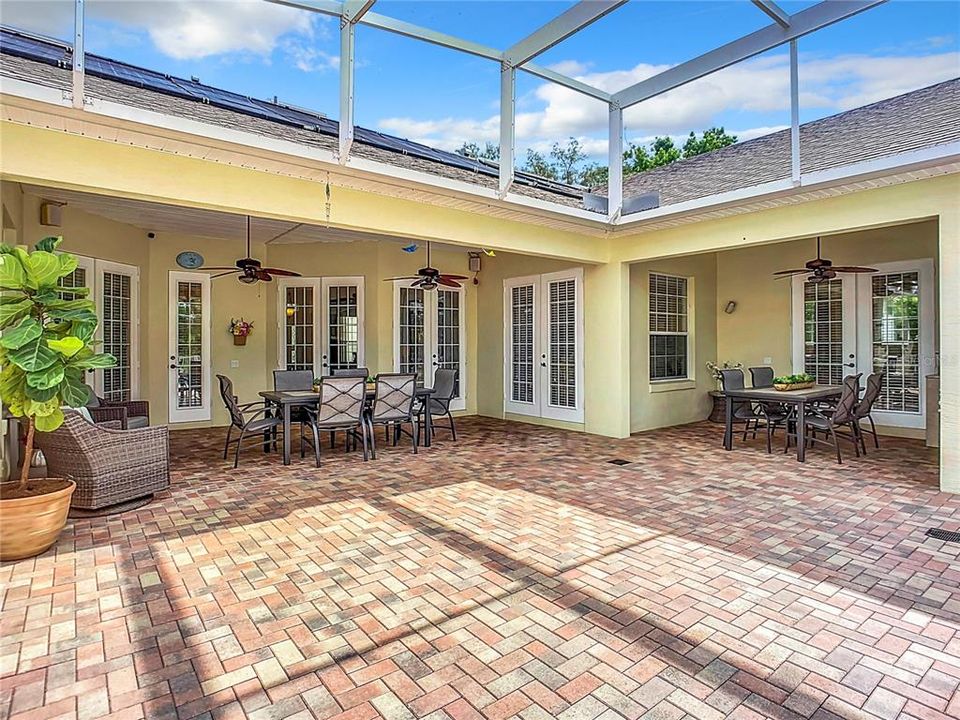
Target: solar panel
59 53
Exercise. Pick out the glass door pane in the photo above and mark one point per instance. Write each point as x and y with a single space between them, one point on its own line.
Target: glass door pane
411 346
449 353
298 327
895 342
823 331
116 327
562 343
522 345
189 345
343 326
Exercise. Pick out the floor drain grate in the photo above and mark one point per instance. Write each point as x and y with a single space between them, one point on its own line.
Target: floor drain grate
618 461
947 535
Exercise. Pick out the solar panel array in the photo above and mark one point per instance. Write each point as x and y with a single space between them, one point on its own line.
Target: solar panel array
55 52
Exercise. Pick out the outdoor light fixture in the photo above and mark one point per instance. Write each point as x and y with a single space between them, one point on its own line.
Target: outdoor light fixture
291 311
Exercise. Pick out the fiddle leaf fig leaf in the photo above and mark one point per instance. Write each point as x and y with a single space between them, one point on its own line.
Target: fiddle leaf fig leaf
41 394
49 423
10 312
12 275
68 346
74 391
47 378
76 314
42 409
94 361
68 263
49 244
27 331
33 356
43 269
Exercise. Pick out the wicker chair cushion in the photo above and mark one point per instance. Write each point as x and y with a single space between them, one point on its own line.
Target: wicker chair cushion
137 421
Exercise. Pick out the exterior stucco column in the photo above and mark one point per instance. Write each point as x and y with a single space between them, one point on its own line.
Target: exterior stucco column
606 360
950 349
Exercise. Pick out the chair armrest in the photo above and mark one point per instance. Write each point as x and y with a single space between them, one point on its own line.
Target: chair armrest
108 413
135 408
152 435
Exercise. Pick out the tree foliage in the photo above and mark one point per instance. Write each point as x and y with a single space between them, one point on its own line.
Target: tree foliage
568 163
46 342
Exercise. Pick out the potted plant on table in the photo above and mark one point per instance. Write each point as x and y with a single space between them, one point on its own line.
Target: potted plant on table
45 349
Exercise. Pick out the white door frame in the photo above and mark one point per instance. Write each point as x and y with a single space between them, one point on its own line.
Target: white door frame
927 361
541 406
857 322
431 337
108 266
321 329
202 412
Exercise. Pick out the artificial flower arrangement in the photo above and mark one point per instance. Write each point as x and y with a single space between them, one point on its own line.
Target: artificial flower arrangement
240 329
716 369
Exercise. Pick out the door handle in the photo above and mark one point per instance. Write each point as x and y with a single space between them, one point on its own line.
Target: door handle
849 365
543 364
173 366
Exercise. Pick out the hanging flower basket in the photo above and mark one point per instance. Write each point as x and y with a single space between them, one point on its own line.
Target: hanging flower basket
240 329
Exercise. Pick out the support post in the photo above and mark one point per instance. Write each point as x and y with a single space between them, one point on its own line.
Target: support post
347 35
615 164
606 361
794 113
508 79
949 286
78 54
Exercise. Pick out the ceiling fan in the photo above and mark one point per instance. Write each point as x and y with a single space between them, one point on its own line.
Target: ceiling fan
822 269
249 270
429 278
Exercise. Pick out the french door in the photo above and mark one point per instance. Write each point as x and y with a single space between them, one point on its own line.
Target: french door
115 291
429 333
321 324
189 379
543 345
871 323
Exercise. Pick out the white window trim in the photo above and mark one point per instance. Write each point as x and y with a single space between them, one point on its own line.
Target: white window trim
321 331
680 383
520 407
202 413
554 412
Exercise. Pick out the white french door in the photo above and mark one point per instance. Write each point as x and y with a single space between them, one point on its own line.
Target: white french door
429 333
321 322
543 345
882 321
115 291
189 379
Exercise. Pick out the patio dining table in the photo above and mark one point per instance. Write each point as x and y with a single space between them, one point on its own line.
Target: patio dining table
286 400
796 398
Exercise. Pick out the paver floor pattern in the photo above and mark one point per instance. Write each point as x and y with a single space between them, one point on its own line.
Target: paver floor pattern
515 573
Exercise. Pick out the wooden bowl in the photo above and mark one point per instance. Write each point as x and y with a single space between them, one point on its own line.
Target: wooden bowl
786 387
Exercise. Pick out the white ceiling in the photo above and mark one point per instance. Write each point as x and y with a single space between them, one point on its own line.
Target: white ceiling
158 218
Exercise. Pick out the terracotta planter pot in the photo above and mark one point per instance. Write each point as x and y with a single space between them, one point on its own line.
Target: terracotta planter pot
30 525
239 339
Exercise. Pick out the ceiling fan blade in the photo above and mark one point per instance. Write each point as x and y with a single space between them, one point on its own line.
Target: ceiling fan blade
454 277
407 277
278 271
223 274
792 272
445 280
232 267
853 269
264 275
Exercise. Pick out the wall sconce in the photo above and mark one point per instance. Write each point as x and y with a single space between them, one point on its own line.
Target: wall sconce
731 306
474 264
291 311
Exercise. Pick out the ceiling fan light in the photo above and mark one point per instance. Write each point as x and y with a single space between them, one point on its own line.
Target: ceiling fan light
247 279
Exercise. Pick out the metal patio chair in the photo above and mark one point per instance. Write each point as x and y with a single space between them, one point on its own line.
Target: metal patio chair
444 391
865 408
251 419
393 406
342 407
829 420
748 412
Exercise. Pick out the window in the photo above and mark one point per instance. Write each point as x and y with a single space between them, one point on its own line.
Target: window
669 344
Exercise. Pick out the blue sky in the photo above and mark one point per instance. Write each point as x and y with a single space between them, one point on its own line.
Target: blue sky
442 97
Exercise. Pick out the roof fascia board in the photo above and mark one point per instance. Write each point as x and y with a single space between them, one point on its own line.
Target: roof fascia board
802 23
903 162
295 153
559 29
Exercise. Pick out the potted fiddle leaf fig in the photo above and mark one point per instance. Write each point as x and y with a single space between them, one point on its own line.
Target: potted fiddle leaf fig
45 349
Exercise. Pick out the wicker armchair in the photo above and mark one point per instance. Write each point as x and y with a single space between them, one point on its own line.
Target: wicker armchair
130 413
110 467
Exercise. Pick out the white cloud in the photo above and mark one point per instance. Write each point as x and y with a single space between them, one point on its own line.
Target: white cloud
760 85
190 29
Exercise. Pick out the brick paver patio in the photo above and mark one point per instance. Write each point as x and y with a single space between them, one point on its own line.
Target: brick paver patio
516 573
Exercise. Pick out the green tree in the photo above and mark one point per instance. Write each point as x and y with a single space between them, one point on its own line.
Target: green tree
489 151
712 139
566 161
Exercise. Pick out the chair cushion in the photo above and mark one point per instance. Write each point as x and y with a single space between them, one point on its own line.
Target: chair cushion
137 421
264 423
